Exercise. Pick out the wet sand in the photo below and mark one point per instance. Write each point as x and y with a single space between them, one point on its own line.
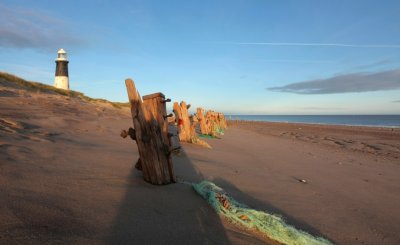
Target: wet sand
66 176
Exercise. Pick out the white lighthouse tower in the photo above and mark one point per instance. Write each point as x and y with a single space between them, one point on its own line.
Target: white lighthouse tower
61 80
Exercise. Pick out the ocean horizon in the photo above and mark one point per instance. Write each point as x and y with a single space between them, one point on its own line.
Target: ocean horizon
348 120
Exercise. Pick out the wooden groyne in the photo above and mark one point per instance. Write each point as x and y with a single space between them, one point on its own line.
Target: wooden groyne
153 139
151 135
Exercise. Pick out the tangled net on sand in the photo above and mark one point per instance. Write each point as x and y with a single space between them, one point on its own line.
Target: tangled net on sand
270 225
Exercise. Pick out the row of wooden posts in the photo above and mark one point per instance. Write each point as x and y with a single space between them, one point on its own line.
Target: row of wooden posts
210 123
154 141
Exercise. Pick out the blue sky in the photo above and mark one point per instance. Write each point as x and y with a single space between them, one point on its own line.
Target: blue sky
240 57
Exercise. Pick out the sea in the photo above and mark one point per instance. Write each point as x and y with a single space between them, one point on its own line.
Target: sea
391 121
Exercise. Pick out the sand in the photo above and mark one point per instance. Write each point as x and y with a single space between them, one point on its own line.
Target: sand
66 176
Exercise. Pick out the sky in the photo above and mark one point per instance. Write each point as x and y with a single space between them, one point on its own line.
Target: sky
275 57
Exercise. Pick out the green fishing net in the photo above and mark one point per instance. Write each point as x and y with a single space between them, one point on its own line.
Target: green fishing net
206 136
270 225
219 130
216 131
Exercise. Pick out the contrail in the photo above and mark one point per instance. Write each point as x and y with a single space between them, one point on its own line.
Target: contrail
327 45
300 61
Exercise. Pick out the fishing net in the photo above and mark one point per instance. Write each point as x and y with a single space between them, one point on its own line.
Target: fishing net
197 141
270 225
216 131
206 136
219 130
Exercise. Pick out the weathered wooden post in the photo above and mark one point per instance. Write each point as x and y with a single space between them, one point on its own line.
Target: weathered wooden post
223 121
193 123
187 127
151 135
218 120
156 103
182 119
210 123
202 121
214 124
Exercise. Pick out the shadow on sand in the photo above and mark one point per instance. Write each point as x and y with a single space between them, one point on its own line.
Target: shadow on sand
175 214
170 214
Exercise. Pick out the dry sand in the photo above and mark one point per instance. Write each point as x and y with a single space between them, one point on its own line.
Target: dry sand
66 176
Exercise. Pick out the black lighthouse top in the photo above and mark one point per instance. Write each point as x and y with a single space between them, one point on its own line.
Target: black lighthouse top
62 63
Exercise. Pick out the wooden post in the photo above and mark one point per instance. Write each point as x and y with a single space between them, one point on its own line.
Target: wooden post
153 148
214 123
209 123
182 119
187 126
193 123
202 121
156 103
223 121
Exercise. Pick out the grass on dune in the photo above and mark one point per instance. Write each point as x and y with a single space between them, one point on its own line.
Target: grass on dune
40 87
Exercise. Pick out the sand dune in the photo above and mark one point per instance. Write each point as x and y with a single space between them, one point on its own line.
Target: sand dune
66 176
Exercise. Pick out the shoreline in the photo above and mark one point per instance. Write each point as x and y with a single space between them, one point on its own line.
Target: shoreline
316 123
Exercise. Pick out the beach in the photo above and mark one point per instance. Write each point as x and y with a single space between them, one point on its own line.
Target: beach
382 141
66 176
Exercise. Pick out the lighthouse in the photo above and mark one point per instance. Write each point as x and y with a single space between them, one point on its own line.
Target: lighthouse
61 80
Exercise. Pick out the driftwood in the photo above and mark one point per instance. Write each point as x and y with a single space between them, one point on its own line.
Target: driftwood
151 135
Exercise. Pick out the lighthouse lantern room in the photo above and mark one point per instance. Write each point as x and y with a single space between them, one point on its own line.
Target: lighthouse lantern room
61 79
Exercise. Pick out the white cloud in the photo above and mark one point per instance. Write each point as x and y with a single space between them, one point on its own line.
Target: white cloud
346 83
25 28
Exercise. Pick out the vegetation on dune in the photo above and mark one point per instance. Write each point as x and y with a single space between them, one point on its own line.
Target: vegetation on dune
40 87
